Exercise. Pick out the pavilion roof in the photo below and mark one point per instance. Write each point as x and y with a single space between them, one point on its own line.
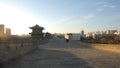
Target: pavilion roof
36 27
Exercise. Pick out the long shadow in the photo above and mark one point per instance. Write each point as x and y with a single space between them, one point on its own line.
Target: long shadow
43 58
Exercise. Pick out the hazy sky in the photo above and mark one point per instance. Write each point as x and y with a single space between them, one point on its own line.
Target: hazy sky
60 15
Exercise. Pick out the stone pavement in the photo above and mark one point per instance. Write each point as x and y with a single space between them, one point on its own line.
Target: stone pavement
59 54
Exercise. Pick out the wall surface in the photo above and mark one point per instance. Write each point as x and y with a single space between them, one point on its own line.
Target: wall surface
10 51
114 48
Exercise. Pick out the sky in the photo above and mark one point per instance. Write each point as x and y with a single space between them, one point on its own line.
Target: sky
60 16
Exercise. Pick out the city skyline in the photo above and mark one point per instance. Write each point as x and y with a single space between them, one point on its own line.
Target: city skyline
4 32
60 16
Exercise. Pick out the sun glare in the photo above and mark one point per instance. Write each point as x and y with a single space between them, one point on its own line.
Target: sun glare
19 21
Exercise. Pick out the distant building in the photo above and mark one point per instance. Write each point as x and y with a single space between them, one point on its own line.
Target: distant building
94 36
4 33
111 31
1 30
98 34
82 35
8 32
117 33
75 36
82 32
89 34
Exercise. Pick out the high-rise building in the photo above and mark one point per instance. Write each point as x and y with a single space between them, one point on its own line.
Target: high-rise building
8 32
1 30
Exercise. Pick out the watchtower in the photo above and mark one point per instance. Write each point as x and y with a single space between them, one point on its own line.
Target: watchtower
37 34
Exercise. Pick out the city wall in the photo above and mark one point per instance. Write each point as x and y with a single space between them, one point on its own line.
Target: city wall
10 51
16 46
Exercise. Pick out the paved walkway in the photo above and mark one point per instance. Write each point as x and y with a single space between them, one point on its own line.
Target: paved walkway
59 54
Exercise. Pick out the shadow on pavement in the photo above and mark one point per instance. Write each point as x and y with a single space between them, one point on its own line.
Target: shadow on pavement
43 58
